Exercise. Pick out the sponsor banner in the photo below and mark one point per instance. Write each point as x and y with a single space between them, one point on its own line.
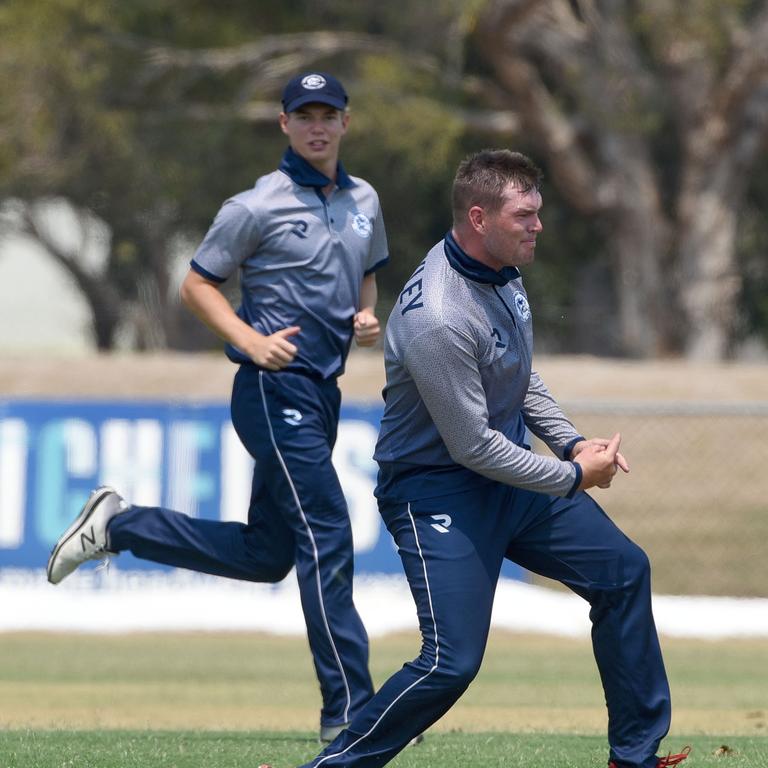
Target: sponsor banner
178 455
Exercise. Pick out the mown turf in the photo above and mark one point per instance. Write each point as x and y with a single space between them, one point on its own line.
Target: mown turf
178 700
180 749
227 682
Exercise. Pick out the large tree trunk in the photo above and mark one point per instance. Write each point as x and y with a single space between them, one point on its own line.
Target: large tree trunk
639 241
101 296
578 73
599 160
105 312
724 125
708 277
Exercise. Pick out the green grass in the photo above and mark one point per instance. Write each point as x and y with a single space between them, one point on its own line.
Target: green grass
192 749
228 700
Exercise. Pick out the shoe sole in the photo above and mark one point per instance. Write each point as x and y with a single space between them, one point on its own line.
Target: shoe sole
79 522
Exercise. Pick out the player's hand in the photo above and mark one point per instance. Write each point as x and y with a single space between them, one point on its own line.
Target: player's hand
275 351
598 461
600 442
367 328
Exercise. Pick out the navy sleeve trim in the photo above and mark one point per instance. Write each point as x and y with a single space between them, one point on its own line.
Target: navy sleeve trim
576 482
205 273
569 447
376 266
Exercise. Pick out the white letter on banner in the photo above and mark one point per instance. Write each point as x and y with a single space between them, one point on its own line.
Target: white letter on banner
236 476
13 480
66 453
132 459
356 470
187 484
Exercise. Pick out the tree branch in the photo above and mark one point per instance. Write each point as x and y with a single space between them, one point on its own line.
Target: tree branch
266 62
100 294
741 84
504 25
30 226
494 122
267 48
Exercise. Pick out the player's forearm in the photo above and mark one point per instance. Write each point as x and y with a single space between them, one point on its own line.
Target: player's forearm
213 309
368 293
473 444
544 417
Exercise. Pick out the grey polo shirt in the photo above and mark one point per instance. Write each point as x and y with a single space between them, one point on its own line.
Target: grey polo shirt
302 258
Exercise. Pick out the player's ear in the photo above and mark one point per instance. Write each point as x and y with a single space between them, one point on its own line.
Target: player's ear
476 218
283 120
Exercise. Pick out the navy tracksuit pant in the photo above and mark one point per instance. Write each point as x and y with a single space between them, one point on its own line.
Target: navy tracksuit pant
452 548
297 516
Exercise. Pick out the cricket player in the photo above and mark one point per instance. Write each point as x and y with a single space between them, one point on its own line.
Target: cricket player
307 241
460 490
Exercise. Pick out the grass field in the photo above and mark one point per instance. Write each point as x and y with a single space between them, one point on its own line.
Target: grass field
231 700
237 749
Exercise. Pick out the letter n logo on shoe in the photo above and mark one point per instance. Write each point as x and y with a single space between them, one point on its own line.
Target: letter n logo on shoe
85 537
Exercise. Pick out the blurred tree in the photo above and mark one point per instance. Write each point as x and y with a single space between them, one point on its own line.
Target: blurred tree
753 263
651 116
116 113
121 131
67 142
140 181
144 116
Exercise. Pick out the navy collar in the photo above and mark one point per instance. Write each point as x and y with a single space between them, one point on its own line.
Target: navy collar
306 175
472 269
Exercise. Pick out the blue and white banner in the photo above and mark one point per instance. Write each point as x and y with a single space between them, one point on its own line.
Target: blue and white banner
188 457
178 455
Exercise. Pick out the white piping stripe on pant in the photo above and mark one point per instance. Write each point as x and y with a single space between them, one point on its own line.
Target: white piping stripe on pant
314 547
415 682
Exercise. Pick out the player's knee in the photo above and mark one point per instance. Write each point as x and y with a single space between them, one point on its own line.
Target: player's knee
635 567
281 569
457 675
276 570
626 576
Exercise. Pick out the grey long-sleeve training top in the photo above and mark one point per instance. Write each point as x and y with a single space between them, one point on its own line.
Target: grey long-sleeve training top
460 391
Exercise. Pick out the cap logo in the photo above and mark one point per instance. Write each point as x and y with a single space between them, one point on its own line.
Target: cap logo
313 82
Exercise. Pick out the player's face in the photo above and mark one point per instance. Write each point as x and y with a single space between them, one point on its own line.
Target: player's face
315 132
510 233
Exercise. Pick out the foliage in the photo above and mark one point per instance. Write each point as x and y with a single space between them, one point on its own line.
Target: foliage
650 117
408 148
145 116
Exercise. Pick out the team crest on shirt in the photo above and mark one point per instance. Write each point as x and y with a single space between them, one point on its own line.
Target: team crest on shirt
522 306
362 225
313 82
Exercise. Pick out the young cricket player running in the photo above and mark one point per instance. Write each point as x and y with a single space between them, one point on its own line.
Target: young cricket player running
307 241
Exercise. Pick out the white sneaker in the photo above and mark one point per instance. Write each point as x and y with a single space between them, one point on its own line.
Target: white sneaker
86 538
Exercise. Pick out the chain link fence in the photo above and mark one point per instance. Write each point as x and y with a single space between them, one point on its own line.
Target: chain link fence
696 498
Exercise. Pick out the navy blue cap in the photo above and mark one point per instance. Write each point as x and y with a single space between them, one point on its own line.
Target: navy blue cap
314 87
